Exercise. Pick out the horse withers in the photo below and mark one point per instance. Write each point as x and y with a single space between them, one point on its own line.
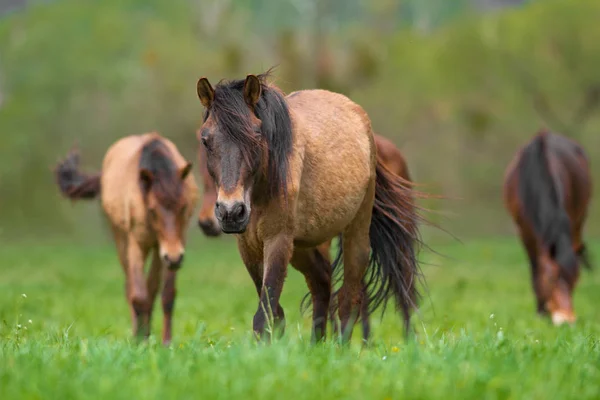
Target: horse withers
390 156
291 173
547 188
148 194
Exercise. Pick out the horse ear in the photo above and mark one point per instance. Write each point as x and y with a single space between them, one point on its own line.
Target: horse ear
252 90
206 93
185 171
146 177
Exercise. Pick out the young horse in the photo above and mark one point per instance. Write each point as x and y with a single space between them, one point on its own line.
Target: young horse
292 173
148 195
390 156
547 188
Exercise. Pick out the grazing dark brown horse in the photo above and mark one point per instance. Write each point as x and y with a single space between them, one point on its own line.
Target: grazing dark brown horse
292 172
547 188
148 195
390 156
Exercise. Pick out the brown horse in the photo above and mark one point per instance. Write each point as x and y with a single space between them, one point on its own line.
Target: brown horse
547 188
390 156
292 172
148 195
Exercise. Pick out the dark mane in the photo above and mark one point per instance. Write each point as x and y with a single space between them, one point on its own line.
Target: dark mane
166 184
541 199
232 116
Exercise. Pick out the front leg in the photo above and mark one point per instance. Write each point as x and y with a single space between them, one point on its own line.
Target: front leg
277 255
168 304
137 292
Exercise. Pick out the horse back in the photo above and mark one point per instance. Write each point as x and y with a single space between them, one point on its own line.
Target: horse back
569 166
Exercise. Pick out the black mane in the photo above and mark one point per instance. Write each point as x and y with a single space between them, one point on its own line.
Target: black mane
166 184
232 116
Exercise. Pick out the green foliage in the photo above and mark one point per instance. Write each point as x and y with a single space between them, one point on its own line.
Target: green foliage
467 96
458 100
478 334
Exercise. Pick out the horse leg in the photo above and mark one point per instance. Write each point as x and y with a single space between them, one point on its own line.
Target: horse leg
357 248
152 284
530 245
364 314
277 255
317 272
168 304
137 292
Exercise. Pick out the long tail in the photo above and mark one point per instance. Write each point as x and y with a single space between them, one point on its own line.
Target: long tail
73 183
394 235
543 206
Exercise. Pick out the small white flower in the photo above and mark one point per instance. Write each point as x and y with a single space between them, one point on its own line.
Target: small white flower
492 316
30 321
18 326
24 295
384 358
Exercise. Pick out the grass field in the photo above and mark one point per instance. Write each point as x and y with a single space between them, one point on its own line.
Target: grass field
65 333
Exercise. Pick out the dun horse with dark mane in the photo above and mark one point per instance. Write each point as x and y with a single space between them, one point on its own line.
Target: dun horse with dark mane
390 156
291 173
547 188
148 195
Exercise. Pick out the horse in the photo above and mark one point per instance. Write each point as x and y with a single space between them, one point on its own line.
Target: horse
390 155
148 195
291 173
547 188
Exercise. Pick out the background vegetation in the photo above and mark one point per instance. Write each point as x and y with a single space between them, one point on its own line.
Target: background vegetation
457 89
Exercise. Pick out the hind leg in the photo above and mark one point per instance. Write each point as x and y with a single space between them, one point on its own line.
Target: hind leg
317 272
357 248
364 314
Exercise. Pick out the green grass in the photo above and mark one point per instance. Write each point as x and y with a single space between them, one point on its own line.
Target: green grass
478 336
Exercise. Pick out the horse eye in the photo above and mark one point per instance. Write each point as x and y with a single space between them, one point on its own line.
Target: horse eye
204 141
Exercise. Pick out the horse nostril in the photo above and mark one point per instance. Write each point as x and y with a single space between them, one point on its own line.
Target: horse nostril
239 212
218 210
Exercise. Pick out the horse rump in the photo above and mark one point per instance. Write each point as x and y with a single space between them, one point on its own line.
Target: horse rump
72 182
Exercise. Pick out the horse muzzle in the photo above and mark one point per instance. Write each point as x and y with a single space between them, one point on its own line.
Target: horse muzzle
209 227
232 216
173 263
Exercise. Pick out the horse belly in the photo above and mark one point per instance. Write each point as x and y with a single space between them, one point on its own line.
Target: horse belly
327 203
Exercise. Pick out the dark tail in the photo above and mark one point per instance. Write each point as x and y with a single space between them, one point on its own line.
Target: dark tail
394 236
72 182
542 204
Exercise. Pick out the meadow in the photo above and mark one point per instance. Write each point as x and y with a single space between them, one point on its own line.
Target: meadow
65 333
